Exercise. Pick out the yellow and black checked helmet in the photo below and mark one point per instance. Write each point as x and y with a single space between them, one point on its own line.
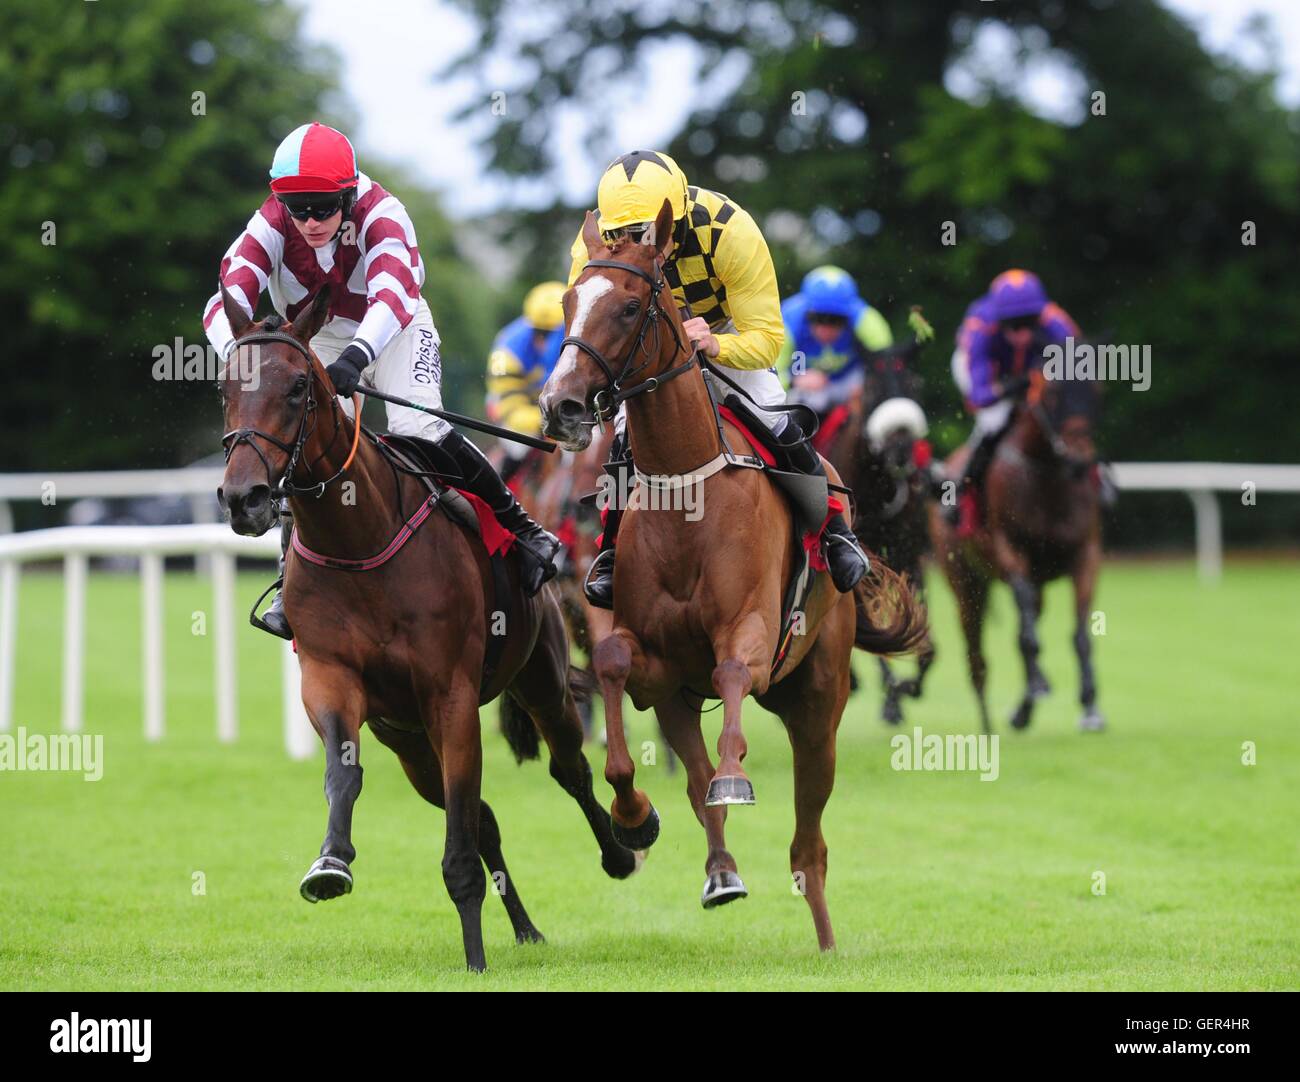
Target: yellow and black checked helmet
544 306
634 187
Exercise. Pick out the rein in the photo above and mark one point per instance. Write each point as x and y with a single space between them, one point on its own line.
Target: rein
233 439
607 400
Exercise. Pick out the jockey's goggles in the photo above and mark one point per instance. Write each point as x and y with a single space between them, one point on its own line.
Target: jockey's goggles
313 205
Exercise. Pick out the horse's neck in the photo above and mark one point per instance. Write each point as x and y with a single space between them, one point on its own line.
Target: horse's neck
357 514
672 429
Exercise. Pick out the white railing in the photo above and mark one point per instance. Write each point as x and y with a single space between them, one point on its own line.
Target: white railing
75 545
199 483
1201 480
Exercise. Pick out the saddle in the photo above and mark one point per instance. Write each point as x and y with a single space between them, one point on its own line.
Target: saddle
438 471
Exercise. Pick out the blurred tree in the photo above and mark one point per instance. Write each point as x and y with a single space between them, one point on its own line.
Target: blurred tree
142 136
855 130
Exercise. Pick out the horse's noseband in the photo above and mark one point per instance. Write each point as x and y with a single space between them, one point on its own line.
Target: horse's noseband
233 439
607 398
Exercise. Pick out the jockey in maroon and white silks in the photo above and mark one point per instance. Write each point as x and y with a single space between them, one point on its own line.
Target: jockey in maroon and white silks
328 224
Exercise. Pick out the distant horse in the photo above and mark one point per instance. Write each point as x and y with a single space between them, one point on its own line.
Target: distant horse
697 602
403 645
1041 520
877 442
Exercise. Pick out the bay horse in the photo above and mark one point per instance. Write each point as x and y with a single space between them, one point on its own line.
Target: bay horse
1041 520
697 603
878 445
402 646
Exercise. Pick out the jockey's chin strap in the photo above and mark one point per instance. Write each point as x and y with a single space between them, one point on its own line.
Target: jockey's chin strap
615 391
306 426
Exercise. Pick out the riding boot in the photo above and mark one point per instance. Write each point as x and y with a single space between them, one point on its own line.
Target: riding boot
536 547
848 563
972 476
274 620
599 584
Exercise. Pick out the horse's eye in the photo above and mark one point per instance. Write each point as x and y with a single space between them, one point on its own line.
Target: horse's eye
631 308
298 388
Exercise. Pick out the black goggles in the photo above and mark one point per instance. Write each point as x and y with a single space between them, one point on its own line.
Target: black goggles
1020 323
827 319
314 206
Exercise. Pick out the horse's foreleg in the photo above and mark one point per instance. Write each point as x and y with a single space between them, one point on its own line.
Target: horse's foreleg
972 598
455 720
1085 581
680 724
892 711
1028 597
334 702
732 681
636 823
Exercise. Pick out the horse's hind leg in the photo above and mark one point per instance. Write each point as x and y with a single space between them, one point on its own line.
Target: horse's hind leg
421 767
972 592
1085 581
453 715
542 687
334 702
680 724
811 708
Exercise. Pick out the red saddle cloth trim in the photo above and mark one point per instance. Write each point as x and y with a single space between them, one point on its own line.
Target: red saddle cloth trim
496 538
830 427
812 542
753 440
968 514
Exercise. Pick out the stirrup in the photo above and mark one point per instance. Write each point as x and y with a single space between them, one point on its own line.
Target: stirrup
279 623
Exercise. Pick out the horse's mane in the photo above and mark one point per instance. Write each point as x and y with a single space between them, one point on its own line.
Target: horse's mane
274 322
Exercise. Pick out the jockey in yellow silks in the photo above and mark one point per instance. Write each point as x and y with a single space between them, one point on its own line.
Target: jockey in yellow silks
521 360
720 273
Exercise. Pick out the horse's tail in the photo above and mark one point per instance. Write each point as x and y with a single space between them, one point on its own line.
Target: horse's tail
582 682
518 729
890 618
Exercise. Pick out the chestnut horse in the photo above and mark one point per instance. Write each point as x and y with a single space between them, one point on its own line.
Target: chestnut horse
697 598
1041 520
401 646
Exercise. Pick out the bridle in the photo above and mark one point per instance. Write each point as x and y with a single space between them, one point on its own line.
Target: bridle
306 426
614 392
1072 461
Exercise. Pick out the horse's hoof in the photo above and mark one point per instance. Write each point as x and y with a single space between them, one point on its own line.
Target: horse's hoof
1039 688
1092 722
328 878
638 837
729 789
892 712
721 888
529 935
622 862
1020 719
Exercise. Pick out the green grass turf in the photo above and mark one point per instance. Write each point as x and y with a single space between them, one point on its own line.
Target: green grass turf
937 880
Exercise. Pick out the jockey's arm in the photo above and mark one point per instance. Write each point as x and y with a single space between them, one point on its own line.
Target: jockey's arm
511 396
744 266
785 359
245 268
984 388
394 275
872 330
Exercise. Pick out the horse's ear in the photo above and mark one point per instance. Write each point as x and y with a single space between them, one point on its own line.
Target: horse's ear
591 234
235 315
663 227
310 321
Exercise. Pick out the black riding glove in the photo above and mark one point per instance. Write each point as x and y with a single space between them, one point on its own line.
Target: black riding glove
345 373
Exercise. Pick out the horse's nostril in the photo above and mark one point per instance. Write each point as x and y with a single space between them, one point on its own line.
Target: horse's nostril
221 498
570 410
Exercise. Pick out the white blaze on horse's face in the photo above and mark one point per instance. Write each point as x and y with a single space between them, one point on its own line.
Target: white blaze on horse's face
588 293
